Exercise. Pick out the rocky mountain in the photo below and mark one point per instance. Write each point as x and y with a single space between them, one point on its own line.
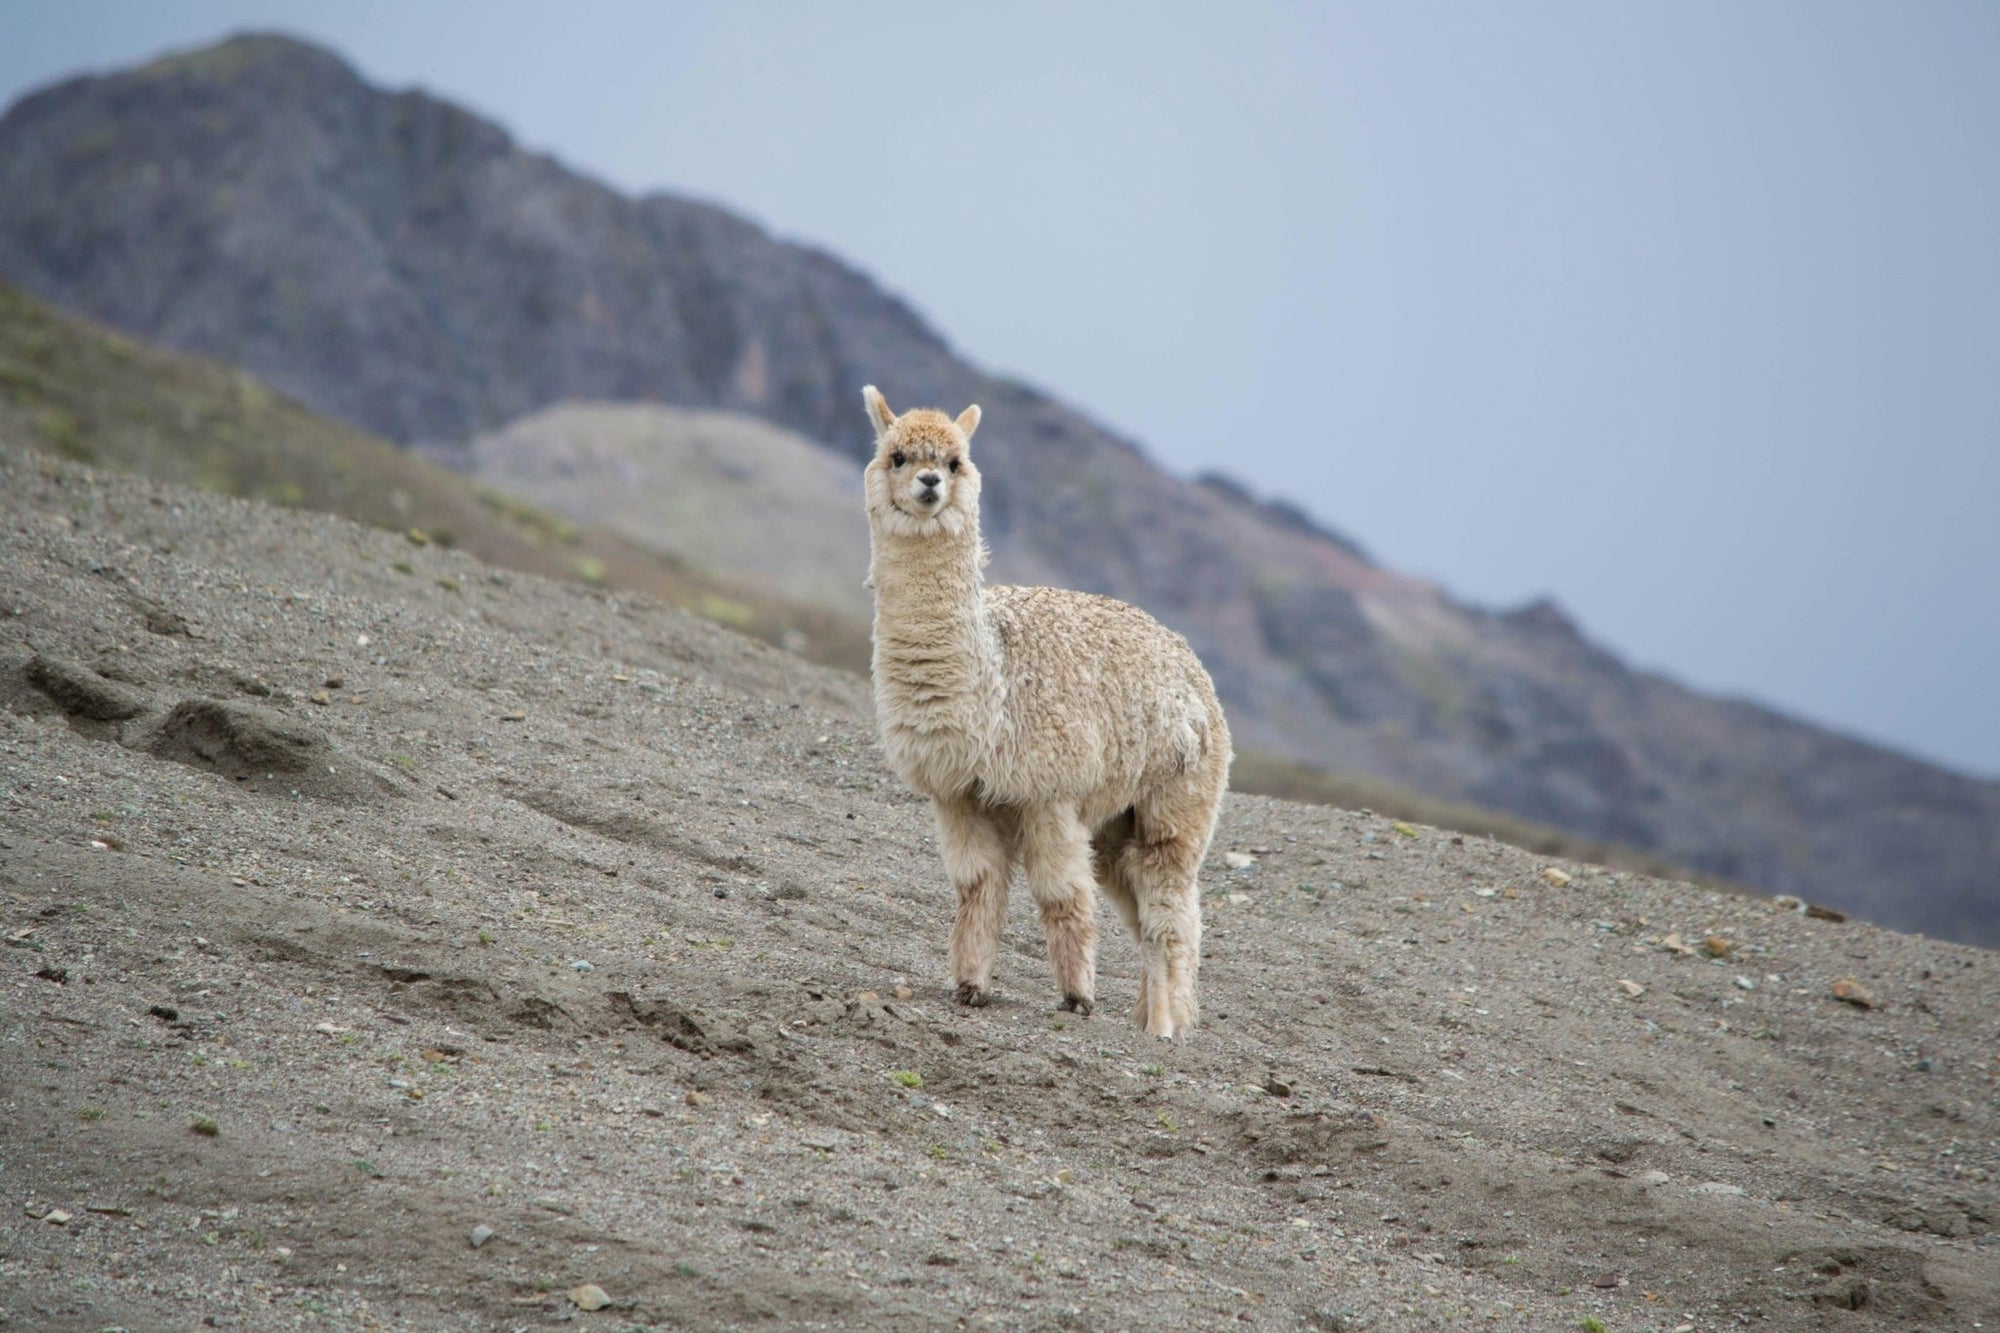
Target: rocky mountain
401 263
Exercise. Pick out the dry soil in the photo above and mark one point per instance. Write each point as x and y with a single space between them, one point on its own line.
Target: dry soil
392 942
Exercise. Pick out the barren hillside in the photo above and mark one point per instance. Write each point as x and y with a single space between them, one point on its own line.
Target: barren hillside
420 949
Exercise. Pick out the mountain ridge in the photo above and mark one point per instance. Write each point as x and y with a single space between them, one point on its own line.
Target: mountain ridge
400 263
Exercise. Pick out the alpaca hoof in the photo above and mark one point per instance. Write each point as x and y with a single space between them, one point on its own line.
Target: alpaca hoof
1078 1005
978 997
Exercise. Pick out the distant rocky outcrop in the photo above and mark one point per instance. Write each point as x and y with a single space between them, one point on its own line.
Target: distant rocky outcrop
400 263
717 490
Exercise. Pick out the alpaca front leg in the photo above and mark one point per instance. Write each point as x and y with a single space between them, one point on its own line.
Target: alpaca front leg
979 858
1055 848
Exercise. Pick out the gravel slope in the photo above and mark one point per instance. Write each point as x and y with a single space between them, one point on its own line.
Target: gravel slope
579 919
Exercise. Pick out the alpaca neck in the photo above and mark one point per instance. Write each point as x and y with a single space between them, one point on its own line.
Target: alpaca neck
937 670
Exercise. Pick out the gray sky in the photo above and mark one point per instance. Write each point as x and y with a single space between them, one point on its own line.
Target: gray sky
1687 315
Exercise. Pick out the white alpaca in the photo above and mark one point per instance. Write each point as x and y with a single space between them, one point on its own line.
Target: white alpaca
1070 733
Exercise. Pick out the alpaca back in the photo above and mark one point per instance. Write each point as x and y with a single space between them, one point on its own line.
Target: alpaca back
1102 702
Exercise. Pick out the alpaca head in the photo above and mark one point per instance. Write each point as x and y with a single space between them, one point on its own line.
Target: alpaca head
921 482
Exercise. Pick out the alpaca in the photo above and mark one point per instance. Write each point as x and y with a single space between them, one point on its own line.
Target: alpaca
1069 733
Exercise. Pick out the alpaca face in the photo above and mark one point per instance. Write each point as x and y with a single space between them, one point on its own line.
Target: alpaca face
921 481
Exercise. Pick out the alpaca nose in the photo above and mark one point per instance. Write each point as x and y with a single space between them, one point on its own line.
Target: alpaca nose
928 480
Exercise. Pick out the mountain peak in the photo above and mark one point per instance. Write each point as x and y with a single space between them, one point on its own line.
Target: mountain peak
251 55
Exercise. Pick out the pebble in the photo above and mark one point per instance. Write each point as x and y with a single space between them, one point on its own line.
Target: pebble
1744 983
581 965
1654 1179
1673 943
1238 860
1277 1087
1559 878
903 992
589 1296
1631 988
1715 946
1717 1187
1850 991
481 1234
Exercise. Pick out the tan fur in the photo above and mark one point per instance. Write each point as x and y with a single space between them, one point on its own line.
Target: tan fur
1070 734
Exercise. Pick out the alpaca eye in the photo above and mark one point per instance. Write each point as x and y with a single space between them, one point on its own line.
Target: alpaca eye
896 459
953 465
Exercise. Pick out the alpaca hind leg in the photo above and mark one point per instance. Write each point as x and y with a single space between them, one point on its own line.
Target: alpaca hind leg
1107 852
978 854
1163 876
1055 849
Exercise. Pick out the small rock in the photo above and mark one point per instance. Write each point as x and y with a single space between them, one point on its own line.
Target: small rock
321 697
1818 913
1237 898
904 993
1744 983
56 1217
1673 943
1654 1179
1785 902
1407 830
481 1234
514 715
1144 1204
589 1296
1717 1187
696 1099
1238 860
59 975
1559 878
551 1204
418 537
1631 988
1715 946
581 965
1277 1087
1849 991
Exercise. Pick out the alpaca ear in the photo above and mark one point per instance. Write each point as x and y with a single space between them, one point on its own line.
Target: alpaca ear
878 410
968 421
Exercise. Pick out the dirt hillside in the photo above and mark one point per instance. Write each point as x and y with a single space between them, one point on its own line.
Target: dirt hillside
392 942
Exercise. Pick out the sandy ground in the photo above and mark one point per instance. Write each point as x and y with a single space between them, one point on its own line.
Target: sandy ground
394 942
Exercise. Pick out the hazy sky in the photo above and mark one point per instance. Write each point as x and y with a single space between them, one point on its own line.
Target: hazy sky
1687 315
